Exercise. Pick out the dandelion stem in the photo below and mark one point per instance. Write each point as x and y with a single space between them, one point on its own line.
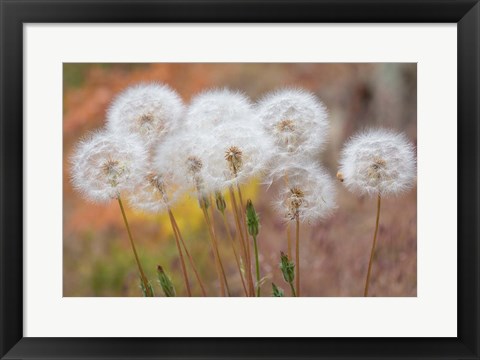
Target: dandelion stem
257 265
212 222
212 242
297 252
190 259
180 253
289 236
289 241
243 219
148 289
242 239
293 290
237 259
373 247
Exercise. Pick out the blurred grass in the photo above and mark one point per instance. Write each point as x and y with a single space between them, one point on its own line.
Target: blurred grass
96 252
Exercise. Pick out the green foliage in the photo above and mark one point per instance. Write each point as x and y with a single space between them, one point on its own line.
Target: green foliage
287 267
253 221
165 283
277 292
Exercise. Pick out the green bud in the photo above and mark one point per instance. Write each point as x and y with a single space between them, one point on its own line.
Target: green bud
288 268
148 291
203 201
277 292
253 221
220 201
165 283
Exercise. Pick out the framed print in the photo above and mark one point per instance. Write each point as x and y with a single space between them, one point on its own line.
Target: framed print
238 179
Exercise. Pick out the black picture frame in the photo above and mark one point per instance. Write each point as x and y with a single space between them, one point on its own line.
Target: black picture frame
15 13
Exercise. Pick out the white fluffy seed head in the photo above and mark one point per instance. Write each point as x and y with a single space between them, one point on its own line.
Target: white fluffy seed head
148 110
307 192
378 161
104 165
209 161
154 192
296 119
180 160
235 153
215 107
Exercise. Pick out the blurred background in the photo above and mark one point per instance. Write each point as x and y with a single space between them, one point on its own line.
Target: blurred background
97 258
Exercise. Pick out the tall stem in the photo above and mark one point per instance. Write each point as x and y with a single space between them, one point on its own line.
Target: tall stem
190 259
293 290
244 220
372 252
140 269
212 241
257 265
237 259
243 241
289 241
180 253
297 252
289 236
212 223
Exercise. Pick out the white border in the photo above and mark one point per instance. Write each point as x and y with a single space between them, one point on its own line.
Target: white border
432 313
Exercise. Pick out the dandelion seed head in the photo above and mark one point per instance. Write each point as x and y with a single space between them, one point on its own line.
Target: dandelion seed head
148 110
179 158
103 165
296 119
154 192
378 161
234 153
308 193
218 106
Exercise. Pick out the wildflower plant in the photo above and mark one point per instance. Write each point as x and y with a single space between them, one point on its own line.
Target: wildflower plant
379 163
154 150
103 167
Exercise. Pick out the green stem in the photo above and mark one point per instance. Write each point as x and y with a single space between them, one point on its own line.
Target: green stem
140 269
257 265
293 290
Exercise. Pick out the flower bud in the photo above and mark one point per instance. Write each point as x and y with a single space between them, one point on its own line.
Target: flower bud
220 201
277 292
287 267
165 283
147 291
253 221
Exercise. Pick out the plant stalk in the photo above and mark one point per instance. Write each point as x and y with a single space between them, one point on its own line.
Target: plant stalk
237 258
180 253
212 223
212 242
257 265
243 242
140 269
190 259
297 252
372 252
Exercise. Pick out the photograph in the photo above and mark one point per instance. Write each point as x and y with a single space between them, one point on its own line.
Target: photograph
239 180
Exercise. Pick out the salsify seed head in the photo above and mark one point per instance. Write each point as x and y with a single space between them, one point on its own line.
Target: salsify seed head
154 192
308 193
104 165
149 110
378 162
296 119
218 106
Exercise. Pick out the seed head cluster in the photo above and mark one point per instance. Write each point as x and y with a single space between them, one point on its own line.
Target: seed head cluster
154 149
